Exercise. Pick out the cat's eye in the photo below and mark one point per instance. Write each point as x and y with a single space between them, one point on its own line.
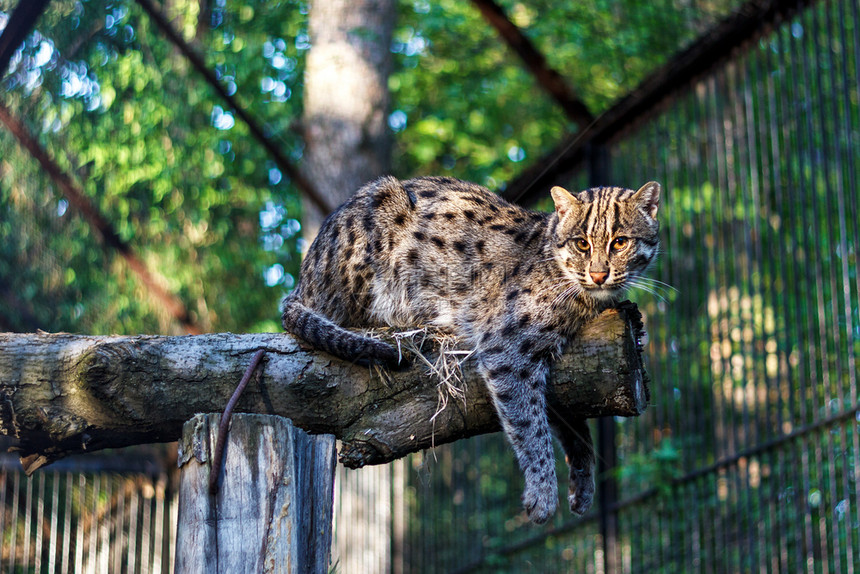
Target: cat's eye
620 243
582 244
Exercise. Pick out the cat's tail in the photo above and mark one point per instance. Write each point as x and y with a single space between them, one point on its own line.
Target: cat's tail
330 337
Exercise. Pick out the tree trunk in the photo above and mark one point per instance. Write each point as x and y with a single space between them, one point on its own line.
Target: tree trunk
348 144
272 512
346 99
67 394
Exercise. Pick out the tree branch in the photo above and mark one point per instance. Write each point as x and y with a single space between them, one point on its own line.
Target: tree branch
20 24
285 165
103 228
548 78
66 394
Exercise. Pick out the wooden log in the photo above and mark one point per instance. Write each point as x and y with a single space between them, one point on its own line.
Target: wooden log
273 510
66 394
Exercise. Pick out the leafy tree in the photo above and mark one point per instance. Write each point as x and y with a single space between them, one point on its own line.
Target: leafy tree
181 179
167 164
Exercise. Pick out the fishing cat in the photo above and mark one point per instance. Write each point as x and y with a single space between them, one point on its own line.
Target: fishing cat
515 285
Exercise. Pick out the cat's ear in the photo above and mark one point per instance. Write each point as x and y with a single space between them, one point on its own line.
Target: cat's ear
648 197
563 199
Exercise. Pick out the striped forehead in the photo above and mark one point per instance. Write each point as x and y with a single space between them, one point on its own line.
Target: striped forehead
601 215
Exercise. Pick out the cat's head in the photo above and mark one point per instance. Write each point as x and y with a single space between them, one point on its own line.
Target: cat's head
606 237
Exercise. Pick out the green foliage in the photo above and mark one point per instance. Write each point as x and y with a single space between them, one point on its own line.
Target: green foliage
470 110
176 175
656 468
182 181
465 106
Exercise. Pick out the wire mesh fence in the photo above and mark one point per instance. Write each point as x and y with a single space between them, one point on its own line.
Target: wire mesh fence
754 357
747 458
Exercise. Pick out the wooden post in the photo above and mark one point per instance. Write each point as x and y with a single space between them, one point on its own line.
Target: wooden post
273 509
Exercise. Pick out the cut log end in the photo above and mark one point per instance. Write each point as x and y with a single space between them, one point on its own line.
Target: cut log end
57 400
601 374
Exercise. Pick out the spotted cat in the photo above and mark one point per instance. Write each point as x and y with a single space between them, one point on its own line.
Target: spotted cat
515 285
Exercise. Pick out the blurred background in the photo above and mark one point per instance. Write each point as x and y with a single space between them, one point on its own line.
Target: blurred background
144 192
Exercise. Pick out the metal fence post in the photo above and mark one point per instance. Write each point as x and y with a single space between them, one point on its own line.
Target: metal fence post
607 488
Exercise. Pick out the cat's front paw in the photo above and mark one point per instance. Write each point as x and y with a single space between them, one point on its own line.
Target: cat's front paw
581 493
540 501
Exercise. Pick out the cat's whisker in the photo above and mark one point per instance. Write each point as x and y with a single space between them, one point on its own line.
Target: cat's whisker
656 288
654 284
420 252
559 297
555 257
571 291
657 282
650 291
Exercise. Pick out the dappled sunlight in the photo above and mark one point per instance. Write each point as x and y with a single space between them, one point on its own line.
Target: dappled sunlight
747 457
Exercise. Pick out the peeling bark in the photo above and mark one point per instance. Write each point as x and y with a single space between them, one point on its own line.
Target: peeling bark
64 394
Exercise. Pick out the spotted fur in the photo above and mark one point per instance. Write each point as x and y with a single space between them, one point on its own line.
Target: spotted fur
513 284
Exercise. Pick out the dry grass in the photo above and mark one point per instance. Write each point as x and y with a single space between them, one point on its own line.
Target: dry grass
438 351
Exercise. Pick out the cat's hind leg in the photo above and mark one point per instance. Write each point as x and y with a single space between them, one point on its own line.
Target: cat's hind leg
575 438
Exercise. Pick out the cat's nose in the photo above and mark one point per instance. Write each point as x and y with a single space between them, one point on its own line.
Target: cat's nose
599 278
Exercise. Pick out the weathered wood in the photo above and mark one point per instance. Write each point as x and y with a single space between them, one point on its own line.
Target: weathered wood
273 512
64 394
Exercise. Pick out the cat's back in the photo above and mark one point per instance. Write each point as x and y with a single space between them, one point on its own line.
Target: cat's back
452 252
445 215
471 220
394 250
